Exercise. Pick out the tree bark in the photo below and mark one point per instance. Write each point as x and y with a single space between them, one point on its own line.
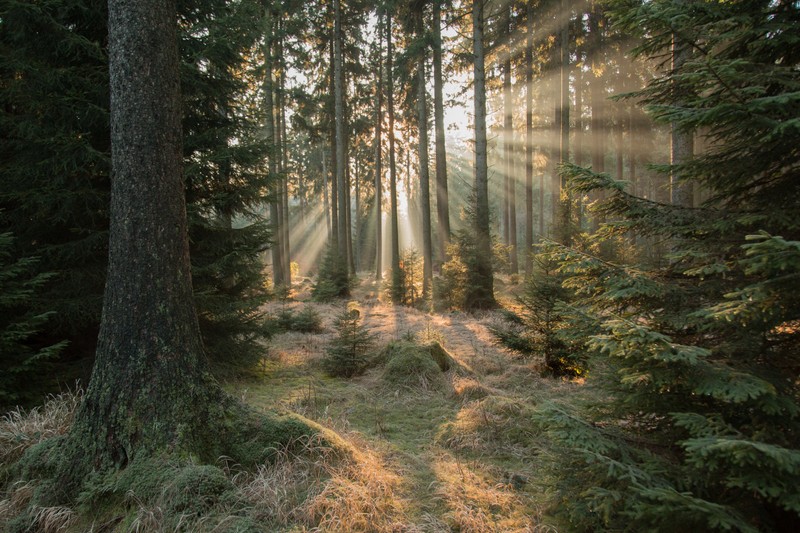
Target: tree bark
278 275
480 287
442 196
682 141
508 148
529 140
424 179
341 139
378 156
149 389
397 295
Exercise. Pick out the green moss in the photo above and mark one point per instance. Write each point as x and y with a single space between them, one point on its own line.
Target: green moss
411 365
41 460
196 489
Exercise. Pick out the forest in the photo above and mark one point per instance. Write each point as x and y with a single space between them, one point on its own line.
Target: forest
382 266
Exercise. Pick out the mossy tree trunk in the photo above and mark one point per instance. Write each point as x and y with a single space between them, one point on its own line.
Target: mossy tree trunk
149 389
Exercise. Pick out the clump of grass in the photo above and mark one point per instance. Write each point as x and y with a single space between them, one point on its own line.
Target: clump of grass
57 519
18 497
412 366
488 424
20 429
468 389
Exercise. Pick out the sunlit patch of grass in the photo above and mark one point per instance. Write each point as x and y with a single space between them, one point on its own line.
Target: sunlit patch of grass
478 502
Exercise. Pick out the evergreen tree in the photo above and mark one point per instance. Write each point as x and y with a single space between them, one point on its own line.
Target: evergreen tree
696 361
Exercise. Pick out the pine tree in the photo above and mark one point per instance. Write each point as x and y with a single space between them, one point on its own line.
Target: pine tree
696 361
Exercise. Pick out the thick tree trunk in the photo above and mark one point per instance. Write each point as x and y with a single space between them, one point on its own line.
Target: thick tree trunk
529 141
480 287
149 389
442 197
379 157
424 180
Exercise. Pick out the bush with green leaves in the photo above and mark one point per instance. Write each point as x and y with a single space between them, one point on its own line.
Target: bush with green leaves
691 419
306 320
332 281
348 354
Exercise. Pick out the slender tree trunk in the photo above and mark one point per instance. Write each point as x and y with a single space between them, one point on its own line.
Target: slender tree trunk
682 145
597 99
278 274
284 160
442 197
480 287
397 291
150 390
508 149
379 156
529 141
356 214
341 139
424 179
326 201
335 242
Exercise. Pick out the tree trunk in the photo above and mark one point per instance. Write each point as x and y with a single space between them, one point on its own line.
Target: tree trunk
149 389
278 275
378 156
424 180
682 145
285 224
397 290
508 148
597 100
442 197
335 243
529 141
341 139
480 287
326 202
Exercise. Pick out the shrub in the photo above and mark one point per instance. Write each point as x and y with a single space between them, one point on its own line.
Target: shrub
347 354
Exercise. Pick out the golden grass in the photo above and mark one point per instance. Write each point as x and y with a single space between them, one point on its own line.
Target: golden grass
20 429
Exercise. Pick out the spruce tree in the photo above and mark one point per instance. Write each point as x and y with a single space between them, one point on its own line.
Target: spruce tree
696 360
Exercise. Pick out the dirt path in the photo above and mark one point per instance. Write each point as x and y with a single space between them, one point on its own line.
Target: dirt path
461 456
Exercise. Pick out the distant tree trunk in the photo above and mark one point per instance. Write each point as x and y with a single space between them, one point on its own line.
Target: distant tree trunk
378 155
563 203
424 180
355 225
529 141
480 286
508 149
326 202
341 139
682 145
335 243
278 274
397 290
597 98
284 167
150 389
442 198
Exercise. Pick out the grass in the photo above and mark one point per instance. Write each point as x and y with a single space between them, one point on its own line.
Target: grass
455 451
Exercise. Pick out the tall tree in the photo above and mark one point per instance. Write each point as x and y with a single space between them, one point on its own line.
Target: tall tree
442 196
397 290
275 215
379 154
341 138
424 180
508 149
149 388
529 138
480 285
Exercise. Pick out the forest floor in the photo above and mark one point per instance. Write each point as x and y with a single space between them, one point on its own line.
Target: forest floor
460 454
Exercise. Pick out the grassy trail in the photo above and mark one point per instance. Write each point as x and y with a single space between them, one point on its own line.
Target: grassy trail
458 454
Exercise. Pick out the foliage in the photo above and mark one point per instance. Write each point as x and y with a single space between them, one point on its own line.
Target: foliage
405 286
348 353
695 359
410 365
20 354
55 165
333 281
307 320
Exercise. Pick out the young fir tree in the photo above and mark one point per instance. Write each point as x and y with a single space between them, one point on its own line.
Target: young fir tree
697 361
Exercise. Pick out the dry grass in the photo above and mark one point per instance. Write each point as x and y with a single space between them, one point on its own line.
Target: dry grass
324 493
53 519
21 429
18 498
